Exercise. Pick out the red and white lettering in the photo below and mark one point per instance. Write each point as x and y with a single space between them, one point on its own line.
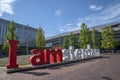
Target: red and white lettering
38 57
12 54
46 56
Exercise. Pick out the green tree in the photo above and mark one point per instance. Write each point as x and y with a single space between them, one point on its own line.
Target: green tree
65 43
71 40
108 40
40 38
84 37
95 40
10 36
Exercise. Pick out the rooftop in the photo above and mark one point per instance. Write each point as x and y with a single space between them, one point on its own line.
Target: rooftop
98 27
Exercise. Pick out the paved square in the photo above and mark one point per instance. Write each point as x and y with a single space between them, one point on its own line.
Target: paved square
106 68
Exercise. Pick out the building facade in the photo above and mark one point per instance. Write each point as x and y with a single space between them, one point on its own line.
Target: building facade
57 40
26 34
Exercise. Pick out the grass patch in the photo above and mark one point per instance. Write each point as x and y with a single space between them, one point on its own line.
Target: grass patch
21 60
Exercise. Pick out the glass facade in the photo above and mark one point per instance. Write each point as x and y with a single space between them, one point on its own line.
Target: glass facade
25 33
57 40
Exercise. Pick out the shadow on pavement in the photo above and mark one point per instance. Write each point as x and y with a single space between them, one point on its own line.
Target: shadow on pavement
106 78
35 73
55 67
105 57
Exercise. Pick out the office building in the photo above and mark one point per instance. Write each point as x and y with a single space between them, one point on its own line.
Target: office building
25 33
57 40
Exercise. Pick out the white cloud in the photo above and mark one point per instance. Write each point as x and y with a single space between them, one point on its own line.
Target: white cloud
110 13
68 27
6 6
58 12
95 7
87 18
78 24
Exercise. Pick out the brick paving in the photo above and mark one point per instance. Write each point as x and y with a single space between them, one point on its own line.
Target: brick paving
106 68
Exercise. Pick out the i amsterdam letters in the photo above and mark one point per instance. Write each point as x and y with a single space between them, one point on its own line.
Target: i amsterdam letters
49 56
40 56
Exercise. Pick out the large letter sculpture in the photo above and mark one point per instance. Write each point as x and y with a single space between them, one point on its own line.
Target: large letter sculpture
12 54
38 57
78 54
55 55
71 51
59 55
46 56
53 58
66 55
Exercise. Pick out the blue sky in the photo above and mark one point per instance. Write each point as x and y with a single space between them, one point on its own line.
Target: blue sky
59 16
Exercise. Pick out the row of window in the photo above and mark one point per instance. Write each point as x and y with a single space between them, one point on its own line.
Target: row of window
59 40
26 34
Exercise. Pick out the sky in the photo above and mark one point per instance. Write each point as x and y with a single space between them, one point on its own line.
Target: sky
59 16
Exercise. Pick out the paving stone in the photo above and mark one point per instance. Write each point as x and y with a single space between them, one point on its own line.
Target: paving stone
106 68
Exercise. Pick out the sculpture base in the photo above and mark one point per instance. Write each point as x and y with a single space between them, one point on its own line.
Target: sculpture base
12 66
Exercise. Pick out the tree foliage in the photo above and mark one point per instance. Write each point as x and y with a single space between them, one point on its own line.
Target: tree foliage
40 38
84 37
108 40
95 39
10 36
65 43
71 40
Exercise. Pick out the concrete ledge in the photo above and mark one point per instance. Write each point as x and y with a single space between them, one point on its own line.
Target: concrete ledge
30 67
